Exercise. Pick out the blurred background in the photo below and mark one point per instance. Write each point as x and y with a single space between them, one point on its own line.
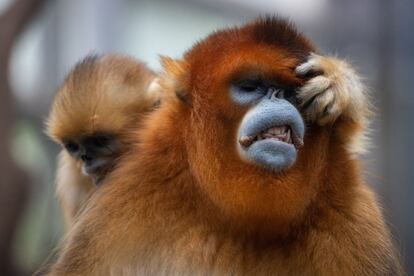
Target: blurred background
40 41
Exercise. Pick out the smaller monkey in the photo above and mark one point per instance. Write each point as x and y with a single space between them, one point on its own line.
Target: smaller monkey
100 102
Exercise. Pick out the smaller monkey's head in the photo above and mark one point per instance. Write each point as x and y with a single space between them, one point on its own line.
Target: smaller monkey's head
100 101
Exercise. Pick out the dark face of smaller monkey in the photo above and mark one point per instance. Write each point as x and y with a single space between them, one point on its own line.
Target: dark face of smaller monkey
96 153
272 130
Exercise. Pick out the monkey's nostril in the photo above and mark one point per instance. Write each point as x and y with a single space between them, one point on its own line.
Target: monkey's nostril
86 157
276 93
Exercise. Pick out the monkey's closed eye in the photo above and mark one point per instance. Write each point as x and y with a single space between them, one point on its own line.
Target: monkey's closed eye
71 146
100 140
250 85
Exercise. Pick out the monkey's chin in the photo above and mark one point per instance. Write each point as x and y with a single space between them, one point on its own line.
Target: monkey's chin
270 154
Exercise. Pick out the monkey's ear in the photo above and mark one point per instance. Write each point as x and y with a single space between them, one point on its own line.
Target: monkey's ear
174 76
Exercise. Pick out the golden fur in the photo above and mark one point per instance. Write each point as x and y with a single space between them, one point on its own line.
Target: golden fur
102 94
72 187
182 202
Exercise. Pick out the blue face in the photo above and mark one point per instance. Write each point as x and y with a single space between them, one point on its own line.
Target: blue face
272 130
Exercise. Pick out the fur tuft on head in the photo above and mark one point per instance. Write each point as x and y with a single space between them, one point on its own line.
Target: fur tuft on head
282 33
101 93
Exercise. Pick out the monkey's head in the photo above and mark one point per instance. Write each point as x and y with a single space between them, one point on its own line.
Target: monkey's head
100 100
245 135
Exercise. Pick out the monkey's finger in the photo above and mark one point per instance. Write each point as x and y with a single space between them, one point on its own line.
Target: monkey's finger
312 88
312 65
331 113
324 101
317 108
306 67
323 107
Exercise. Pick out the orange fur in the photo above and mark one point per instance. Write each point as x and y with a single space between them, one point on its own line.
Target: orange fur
182 202
107 94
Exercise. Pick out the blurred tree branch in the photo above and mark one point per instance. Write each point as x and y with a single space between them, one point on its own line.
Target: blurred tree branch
13 181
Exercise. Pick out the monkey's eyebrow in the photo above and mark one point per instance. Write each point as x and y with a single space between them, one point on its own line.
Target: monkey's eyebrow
248 82
246 74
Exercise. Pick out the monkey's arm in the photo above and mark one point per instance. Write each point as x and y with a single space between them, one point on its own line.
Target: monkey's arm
72 187
336 91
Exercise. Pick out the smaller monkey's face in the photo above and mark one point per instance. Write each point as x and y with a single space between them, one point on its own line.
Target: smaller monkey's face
96 153
272 130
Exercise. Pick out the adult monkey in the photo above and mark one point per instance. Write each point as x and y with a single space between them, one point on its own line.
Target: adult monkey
222 187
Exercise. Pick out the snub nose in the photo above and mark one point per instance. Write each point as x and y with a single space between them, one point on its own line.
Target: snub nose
86 157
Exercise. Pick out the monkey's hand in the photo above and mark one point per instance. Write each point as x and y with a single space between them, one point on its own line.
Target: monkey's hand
335 90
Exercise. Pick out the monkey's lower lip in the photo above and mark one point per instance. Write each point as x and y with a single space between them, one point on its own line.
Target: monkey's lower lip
278 133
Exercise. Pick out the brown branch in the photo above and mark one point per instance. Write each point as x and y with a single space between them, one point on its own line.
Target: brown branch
14 183
12 22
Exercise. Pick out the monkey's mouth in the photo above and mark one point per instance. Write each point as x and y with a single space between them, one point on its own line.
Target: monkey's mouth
278 133
96 167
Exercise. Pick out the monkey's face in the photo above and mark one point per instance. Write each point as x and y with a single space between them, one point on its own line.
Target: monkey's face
272 129
251 103
96 153
245 125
